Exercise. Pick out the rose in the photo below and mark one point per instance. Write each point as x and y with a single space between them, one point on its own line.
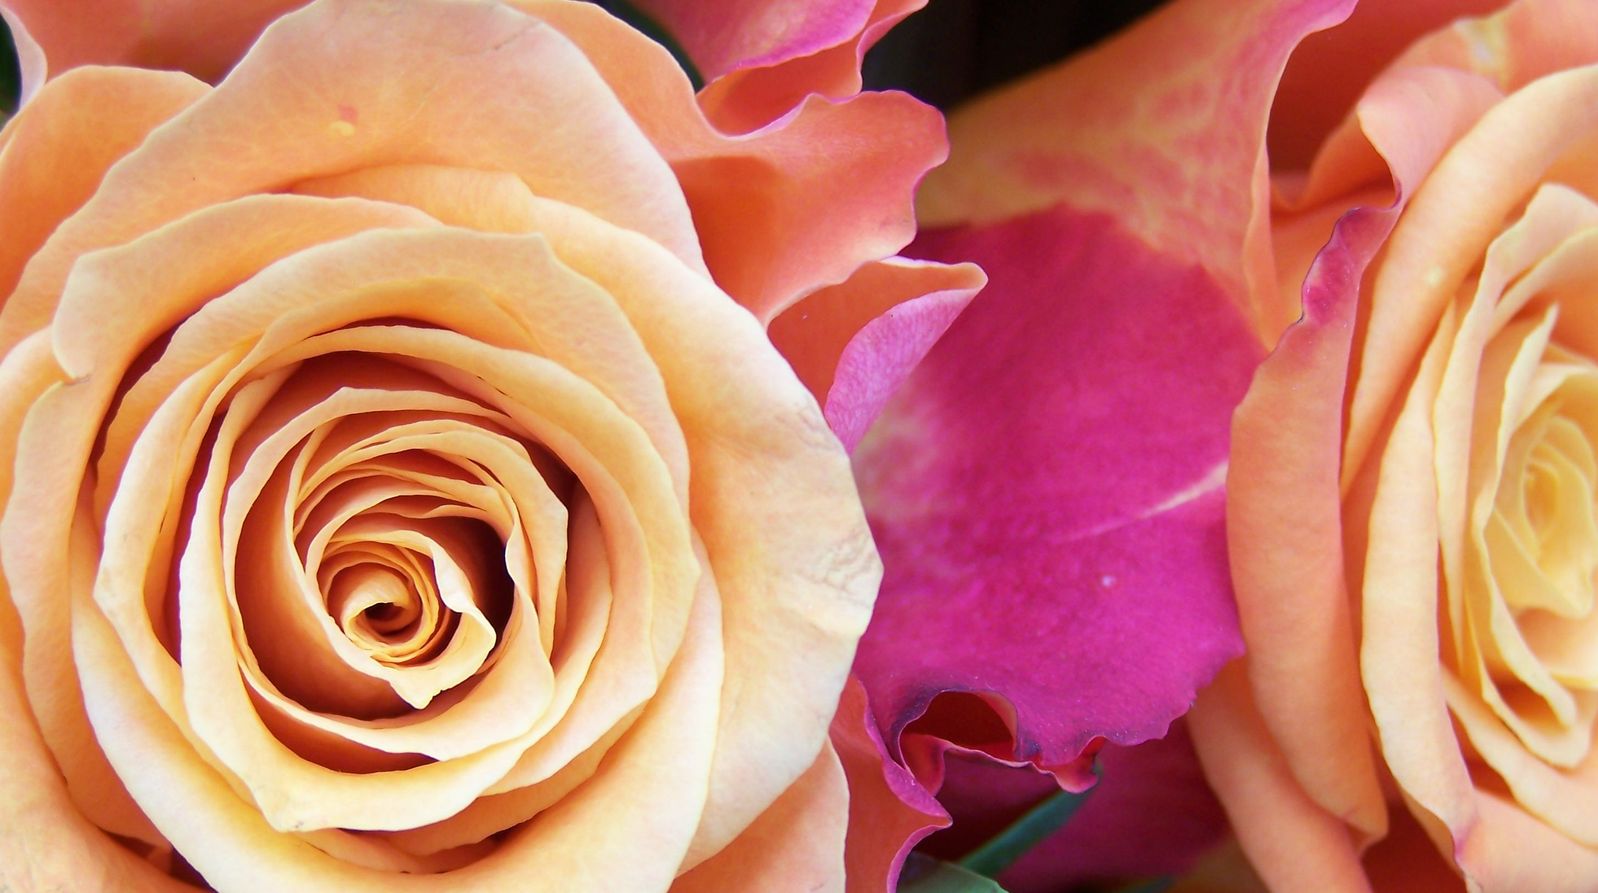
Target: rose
1127 194
394 488
1410 498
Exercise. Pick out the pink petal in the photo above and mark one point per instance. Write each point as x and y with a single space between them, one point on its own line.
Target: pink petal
1046 490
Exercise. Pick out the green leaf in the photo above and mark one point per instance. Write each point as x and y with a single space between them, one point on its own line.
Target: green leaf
1024 833
924 874
642 21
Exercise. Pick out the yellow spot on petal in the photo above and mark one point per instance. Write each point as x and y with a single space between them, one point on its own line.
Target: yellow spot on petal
341 128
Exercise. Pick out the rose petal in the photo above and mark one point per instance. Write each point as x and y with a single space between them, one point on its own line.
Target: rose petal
666 762
1330 69
1086 523
761 92
203 39
1162 141
889 811
59 146
743 439
332 87
725 35
1294 612
1292 841
854 343
797 842
772 221
48 842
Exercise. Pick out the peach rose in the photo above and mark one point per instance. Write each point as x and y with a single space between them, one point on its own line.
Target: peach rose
1411 510
400 487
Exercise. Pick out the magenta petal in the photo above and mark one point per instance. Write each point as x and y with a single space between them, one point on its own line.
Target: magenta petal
1046 490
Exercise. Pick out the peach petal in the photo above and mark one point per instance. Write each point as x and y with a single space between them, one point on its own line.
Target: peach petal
30 373
1553 795
853 344
1291 840
283 114
1400 656
1519 43
639 523
500 292
882 142
288 336
200 38
773 224
1447 226
1512 850
1548 220
1295 614
1330 70
56 150
797 842
233 846
806 600
544 779
508 460
281 794
1127 125
48 842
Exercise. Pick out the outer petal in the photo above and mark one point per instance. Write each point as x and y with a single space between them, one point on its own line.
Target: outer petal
334 87
57 149
889 811
723 36
203 39
797 844
1291 840
767 208
1049 482
1330 69
1294 611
